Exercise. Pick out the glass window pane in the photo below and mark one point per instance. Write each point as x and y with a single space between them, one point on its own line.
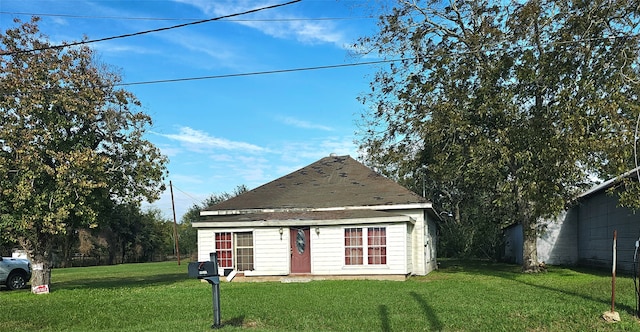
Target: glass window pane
377 245
244 251
353 241
223 248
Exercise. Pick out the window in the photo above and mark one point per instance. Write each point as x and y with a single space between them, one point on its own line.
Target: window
375 242
377 245
241 244
244 251
224 250
353 246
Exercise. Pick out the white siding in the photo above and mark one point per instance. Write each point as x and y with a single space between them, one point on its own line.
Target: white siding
431 246
206 244
418 237
409 246
327 251
271 254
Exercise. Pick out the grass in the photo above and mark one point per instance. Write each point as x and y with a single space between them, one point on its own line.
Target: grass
461 296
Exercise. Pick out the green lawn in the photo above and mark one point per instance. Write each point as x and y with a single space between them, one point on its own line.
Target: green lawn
461 296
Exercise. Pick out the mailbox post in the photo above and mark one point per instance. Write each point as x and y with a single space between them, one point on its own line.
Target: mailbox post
209 272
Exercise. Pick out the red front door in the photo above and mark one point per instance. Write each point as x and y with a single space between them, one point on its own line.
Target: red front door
300 250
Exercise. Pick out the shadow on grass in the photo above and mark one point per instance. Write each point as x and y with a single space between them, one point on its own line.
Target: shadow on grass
122 282
513 272
434 322
384 318
487 268
235 321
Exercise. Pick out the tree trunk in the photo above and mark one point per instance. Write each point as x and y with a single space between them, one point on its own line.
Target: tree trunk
67 249
530 262
41 278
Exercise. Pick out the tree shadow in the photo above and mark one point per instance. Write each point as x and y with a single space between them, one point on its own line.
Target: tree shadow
384 318
434 322
606 302
513 272
121 282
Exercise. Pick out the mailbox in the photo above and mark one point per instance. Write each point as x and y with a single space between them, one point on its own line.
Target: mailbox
209 272
203 269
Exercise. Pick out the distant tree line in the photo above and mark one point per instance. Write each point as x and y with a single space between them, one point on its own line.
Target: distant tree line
130 234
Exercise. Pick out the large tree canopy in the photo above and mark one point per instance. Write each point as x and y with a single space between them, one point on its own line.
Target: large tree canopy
69 141
518 102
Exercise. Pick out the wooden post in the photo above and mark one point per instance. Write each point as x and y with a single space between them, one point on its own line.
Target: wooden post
612 316
613 273
175 224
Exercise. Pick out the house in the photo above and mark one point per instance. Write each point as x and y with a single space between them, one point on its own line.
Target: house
583 234
334 218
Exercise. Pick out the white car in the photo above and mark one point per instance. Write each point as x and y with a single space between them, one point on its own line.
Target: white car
15 273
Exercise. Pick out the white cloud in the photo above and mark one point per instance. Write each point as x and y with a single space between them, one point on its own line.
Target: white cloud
199 140
120 48
252 169
314 149
59 21
170 151
275 21
304 124
182 178
213 48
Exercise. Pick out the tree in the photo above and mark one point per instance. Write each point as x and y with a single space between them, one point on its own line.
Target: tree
520 102
69 141
187 235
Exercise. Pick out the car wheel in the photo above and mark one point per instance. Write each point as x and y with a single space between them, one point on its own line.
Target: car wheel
16 280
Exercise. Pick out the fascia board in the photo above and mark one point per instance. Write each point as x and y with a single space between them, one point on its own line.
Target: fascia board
344 208
312 223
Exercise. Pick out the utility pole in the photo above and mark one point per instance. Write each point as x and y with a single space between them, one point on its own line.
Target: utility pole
175 224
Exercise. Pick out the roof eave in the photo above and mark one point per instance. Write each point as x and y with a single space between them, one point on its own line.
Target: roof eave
294 222
406 206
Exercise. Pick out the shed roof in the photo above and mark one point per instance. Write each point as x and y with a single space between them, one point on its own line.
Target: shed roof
609 183
334 181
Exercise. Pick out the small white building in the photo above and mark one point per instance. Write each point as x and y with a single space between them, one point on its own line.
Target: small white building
335 218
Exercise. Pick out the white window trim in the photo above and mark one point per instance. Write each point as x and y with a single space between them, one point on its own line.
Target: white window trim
234 255
365 249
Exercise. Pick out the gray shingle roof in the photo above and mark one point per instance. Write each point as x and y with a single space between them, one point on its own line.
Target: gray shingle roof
335 181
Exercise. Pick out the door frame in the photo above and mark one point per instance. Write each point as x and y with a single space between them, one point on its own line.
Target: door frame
300 263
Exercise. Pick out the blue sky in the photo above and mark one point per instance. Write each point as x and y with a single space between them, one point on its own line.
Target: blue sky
224 132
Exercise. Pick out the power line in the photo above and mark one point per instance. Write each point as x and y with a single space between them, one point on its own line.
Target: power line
278 71
195 200
186 19
366 63
149 31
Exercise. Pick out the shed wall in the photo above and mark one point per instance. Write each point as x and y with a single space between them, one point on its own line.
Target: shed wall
558 242
599 216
